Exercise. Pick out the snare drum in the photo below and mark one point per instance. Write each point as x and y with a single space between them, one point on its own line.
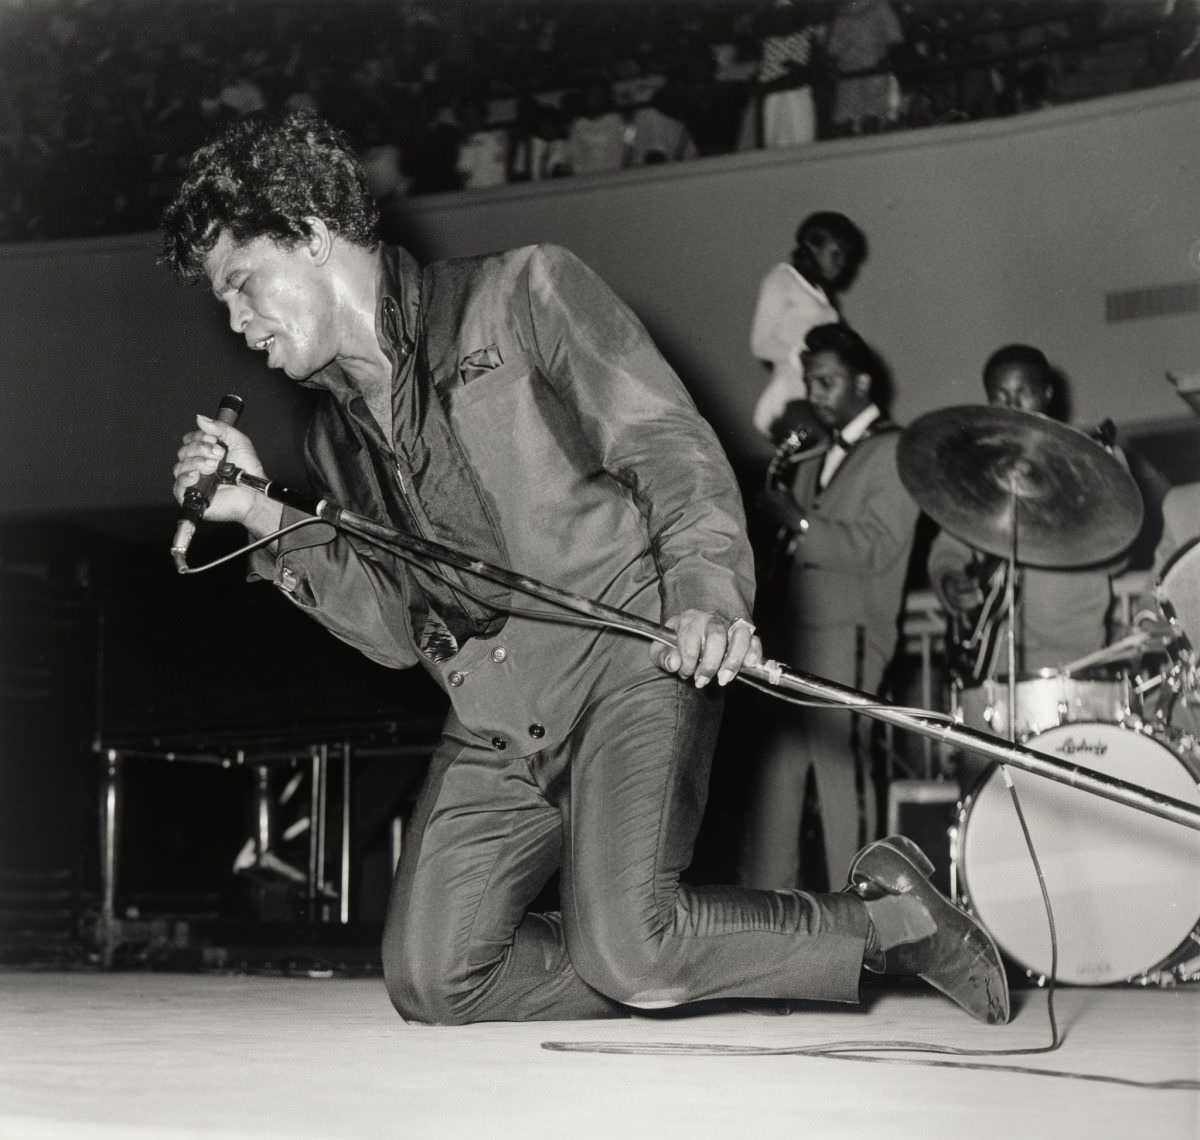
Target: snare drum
1123 884
1046 700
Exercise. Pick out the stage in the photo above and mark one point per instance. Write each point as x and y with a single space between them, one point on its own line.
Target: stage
139 1055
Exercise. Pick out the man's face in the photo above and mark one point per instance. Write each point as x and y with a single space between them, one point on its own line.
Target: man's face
274 296
837 395
1015 386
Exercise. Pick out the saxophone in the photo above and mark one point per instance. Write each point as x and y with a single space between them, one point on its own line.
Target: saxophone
783 462
800 443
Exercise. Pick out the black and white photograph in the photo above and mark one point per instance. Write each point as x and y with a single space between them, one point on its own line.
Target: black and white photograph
584 569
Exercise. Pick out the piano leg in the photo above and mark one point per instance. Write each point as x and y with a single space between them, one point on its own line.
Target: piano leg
262 809
108 933
344 884
319 769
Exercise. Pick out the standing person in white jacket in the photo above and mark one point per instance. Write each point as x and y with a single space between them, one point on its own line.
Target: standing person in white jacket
794 297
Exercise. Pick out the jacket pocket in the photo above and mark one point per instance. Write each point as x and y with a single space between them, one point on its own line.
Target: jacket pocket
485 382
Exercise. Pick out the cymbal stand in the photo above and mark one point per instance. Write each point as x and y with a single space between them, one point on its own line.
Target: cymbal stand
1010 600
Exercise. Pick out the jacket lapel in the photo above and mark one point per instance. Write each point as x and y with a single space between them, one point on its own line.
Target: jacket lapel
880 426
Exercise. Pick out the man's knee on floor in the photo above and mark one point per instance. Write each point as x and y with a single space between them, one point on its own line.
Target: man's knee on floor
632 975
420 986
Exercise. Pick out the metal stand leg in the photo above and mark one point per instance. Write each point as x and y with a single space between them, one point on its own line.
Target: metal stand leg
397 840
262 810
316 824
110 838
344 885
927 699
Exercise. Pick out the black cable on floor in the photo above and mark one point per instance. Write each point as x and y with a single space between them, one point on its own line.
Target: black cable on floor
862 1050
858 1051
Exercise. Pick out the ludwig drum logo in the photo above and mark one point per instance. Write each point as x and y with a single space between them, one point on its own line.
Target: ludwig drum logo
1072 747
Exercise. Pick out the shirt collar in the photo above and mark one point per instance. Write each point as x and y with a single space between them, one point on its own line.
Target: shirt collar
399 305
397 316
857 427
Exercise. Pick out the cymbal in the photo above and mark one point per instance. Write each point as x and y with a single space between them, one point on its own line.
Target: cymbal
1076 504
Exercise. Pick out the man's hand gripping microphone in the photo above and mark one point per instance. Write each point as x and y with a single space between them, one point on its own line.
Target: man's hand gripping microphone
197 497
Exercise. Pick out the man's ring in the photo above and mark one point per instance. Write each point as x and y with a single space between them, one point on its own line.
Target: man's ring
741 621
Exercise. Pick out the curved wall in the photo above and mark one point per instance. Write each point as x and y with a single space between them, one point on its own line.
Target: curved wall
980 234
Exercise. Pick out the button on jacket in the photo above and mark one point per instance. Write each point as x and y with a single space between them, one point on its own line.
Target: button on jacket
534 424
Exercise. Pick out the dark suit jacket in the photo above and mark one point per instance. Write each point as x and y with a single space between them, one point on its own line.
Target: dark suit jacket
849 568
577 453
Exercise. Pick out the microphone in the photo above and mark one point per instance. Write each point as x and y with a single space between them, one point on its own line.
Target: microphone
198 496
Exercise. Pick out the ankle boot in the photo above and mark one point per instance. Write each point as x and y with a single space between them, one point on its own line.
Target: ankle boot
919 931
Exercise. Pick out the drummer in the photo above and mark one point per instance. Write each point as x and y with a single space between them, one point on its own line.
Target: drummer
1063 613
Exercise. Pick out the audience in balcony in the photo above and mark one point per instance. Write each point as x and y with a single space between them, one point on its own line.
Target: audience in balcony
539 146
483 159
863 34
784 110
596 135
659 131
100 101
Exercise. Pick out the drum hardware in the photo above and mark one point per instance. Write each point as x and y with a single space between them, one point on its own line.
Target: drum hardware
1180 969
971 633
1143 685
1127 648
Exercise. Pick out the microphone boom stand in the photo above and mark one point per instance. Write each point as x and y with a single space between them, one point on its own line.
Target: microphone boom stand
769 672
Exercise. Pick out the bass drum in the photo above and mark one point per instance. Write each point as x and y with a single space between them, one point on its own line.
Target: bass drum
1123 884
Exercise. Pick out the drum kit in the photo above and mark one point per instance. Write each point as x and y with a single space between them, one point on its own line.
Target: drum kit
1123 885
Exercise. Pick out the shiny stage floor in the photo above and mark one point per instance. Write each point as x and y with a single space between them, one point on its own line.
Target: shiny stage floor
130 1056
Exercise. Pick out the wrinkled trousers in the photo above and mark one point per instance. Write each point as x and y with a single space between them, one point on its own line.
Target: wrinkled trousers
615 807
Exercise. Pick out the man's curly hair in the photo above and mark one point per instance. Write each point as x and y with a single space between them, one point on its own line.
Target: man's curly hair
261 178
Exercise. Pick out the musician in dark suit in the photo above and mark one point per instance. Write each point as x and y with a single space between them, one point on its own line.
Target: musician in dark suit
849 526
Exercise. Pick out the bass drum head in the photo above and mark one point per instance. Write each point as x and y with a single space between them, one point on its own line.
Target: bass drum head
1123 884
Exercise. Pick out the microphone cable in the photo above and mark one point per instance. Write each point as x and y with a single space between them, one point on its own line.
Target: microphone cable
250 547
